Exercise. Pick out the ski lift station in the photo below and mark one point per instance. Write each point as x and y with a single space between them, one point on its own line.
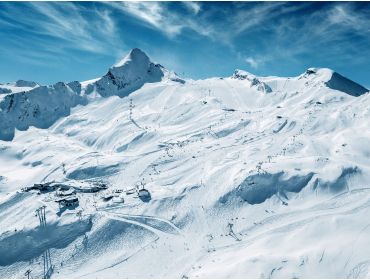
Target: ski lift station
68 201
42 187
143 193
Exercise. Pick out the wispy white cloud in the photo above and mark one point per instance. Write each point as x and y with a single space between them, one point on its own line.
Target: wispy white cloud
66 22
344 15
255 33
252 62
194 7
324 33
281 31
74 26
158 16
151 14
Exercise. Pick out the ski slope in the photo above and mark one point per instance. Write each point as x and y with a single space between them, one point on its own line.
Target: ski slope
249 177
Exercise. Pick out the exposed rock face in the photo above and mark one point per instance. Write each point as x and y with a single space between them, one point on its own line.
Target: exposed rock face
23 83
254 81
131 73
5 90
39 107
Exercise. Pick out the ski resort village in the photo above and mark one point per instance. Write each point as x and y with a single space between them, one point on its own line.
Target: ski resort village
141 173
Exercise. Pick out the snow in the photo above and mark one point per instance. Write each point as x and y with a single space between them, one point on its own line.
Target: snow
248 176
38 107
315 77
18 86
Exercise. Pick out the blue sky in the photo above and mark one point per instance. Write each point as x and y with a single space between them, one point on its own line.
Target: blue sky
64 41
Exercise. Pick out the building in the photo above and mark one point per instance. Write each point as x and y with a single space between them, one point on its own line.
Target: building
143 193
91 189
65 192
107 196
71 201
42 187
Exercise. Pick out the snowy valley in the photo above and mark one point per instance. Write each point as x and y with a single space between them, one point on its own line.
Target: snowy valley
142 174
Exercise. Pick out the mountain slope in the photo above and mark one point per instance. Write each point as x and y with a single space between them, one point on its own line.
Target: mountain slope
41 106
38 107
248 177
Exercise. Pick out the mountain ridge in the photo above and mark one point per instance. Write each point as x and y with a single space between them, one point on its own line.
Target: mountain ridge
125 77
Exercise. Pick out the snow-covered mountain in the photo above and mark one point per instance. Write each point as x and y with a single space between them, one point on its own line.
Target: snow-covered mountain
240 176
128 75
18 86
40 106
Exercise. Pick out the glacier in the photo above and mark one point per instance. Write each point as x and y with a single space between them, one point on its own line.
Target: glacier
227 177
